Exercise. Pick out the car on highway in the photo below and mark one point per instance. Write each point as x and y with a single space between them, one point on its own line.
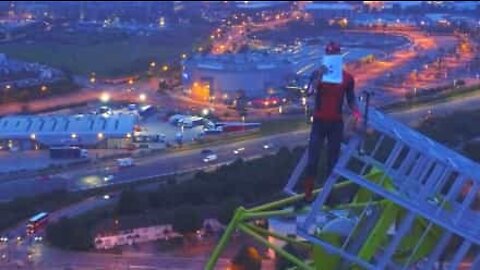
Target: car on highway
268 146
125 162
238 150
108 178
210 158
38 239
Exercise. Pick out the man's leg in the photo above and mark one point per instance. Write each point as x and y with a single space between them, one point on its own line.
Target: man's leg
334 137
317 137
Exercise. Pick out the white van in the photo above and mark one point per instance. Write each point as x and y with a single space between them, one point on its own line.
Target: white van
125 162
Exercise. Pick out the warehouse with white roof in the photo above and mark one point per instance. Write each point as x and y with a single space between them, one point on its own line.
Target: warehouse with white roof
33 132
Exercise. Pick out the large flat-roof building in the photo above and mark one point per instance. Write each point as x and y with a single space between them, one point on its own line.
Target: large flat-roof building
30 132
254 73
329 10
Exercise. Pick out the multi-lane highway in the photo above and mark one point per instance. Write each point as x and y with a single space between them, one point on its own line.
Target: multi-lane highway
93 176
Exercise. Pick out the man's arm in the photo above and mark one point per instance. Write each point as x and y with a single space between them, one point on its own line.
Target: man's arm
315 80
351 99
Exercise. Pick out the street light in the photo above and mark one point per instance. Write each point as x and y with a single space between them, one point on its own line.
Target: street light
74 135
165 68
142 97
44 88
152 64
105 97
100 135
33 136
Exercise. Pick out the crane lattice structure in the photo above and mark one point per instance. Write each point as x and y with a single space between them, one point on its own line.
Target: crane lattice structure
412 205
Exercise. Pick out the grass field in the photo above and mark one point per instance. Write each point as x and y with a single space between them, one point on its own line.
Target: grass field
104 54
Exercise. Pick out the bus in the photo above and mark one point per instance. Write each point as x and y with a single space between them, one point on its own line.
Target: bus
36 222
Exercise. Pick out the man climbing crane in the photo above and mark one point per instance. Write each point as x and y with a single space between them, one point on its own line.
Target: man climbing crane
332 85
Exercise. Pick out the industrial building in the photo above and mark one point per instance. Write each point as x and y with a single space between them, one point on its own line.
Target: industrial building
34 132
331 10
219 75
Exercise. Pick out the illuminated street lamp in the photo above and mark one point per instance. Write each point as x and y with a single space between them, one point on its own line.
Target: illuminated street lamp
100 135
92 80
165 68
74 135
44 88
128 135
152 64
8 86
205 112
130 81
105 97
184 55
142 97
33 136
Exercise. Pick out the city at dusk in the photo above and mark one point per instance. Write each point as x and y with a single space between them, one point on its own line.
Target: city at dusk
240 135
